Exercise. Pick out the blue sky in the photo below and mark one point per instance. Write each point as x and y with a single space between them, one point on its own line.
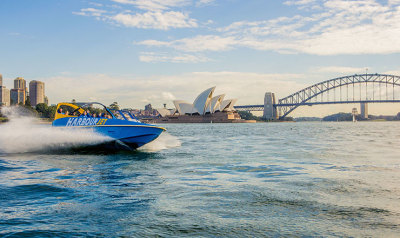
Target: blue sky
153 51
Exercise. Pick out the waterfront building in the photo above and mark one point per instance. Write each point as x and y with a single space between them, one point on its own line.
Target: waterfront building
204 104
204 109
18 96
1 80
36 92
4 96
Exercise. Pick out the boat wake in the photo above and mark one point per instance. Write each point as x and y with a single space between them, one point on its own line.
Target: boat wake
24 133
163 142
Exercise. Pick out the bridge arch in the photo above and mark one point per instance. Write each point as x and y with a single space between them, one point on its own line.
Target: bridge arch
303 97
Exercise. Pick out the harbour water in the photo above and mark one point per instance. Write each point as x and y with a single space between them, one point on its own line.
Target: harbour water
210 180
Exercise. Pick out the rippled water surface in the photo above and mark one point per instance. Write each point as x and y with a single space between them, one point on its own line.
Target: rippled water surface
224 180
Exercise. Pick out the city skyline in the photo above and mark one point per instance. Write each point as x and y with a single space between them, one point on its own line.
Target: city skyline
19 93
139 52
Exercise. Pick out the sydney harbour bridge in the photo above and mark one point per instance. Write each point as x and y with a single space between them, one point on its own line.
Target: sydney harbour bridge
358 88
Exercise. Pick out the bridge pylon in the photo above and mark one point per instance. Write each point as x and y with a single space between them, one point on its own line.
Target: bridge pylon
270 111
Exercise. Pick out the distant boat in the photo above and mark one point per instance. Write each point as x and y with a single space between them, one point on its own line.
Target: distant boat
120 125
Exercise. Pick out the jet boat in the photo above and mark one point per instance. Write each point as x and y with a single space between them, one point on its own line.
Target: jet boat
120 125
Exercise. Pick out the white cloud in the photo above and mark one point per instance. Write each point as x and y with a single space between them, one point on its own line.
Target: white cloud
155 5
93 12
196 44
336 27
14 34
201 3
166 57
96 4
249 88
155 20
156 15
153 43
298 2
393 72
340 70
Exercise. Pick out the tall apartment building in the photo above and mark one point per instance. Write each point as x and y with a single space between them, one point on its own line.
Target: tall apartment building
18 96
20 83
18 93
4 94
36 92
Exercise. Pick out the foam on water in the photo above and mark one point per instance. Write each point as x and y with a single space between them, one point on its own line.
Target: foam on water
24 133
164 141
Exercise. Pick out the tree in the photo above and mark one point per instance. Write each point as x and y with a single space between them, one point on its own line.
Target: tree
51 111
114 106
248 116
28 101
42 109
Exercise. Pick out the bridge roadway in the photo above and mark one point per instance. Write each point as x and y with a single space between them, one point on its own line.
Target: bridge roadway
261 107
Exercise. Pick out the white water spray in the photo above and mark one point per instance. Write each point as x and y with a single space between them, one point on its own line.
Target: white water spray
24 134
163 142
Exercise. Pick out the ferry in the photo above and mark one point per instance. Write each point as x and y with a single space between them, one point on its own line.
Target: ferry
122 126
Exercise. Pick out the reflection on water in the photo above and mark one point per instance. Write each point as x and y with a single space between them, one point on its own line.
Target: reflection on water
287 179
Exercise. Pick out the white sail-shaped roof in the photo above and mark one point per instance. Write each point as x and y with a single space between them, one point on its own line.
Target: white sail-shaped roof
176 103
233 102
187 108
215 104
164 112
227 105
203 100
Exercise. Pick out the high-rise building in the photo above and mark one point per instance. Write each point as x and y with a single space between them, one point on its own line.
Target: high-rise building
4 93
18 96
36 92
4 96
20 83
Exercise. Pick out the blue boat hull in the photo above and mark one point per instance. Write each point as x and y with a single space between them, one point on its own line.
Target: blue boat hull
133 136
126 134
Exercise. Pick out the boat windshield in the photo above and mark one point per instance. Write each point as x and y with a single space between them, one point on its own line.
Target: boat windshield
95 109
124 115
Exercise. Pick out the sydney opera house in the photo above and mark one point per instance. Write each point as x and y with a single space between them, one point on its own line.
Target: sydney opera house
206 108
